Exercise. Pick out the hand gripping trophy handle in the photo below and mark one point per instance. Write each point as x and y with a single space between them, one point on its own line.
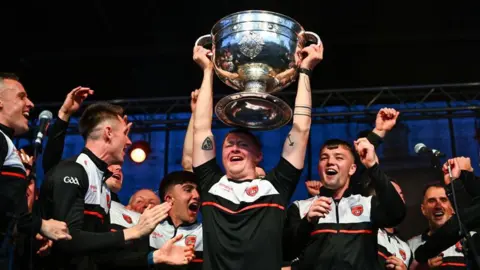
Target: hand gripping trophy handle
309 36
204 40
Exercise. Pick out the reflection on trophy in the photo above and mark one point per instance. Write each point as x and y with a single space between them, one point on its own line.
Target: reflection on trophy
257 53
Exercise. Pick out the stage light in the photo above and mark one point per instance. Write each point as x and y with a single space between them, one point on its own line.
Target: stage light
139 151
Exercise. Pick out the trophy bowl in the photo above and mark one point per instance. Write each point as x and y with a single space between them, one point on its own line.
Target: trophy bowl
257 53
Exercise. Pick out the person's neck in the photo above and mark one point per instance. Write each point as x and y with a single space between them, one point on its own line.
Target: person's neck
390 230
248 176
175 220
98 150
338 194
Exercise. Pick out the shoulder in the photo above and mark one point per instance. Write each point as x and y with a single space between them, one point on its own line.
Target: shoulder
70 171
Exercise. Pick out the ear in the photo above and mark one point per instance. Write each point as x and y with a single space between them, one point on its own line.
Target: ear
422 209
353 169
258 158
108 132
168 197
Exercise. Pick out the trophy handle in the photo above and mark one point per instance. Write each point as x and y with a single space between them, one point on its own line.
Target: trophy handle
204 40
312 37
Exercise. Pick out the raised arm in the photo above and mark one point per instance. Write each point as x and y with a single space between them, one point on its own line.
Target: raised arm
203 141
56 134
187 155
296 143
388 208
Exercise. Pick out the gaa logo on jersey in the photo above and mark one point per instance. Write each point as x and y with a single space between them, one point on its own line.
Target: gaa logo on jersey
252 191
357 210
403 254
127 218
190 240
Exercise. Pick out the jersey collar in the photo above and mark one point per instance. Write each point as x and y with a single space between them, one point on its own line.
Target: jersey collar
8 131
102 165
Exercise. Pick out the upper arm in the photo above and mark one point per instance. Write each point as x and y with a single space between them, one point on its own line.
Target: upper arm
70 184
295 146
3 149
203 147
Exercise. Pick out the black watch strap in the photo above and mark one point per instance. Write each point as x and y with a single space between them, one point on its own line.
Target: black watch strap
305 71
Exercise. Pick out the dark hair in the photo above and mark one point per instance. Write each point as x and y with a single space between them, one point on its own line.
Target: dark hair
175 178
247 133
96 114
430 185
7 75
335 143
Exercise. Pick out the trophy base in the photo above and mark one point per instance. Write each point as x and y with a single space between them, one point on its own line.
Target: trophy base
258 111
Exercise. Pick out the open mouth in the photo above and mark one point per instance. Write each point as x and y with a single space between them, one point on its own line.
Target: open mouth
438 213
331 171
26 115
236 158
194 207
117 176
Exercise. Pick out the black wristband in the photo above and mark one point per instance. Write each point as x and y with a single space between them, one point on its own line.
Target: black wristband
305 71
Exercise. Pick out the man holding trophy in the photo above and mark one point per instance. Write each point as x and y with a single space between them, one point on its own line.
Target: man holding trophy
243 216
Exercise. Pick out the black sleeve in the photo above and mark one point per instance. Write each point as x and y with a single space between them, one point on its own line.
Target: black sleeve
296 233
67 204
208 174
360 179
388 209
28 223
55 143
3 149
284 177
122 258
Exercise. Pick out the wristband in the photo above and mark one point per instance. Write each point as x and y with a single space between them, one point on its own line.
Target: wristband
150 258
305 71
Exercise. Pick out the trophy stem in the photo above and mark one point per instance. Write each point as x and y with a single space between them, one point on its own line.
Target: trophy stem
255 86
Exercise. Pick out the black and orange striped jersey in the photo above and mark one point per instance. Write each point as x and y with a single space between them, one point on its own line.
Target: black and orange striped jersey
243 220
346 238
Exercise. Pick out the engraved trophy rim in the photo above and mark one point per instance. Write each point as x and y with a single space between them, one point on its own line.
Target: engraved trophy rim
217 26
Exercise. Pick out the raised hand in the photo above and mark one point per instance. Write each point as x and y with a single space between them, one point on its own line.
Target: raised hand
200 56
55 230
73 101
314 56
313 187
386 119
366 151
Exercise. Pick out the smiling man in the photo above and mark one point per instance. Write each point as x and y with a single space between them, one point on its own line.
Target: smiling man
436 208
243 214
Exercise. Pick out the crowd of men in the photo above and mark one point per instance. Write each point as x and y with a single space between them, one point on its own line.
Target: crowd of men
76 221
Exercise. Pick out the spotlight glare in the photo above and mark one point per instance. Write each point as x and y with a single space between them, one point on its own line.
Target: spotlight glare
139 151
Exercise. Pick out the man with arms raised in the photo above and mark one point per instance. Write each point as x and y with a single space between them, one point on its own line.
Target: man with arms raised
243 215
339 226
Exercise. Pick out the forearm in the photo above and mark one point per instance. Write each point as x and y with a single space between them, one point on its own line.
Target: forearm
204 111
55 144
302 116
83 241
295 238
390 209
188 147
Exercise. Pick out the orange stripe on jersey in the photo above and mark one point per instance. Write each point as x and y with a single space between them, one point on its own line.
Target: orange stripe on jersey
342 231
454 264
197 260
383 255
253 206
92 213
19 175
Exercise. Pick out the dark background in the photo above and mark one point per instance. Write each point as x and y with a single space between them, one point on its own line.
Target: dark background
144 48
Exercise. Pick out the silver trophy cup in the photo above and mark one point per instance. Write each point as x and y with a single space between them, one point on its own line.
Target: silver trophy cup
256 52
